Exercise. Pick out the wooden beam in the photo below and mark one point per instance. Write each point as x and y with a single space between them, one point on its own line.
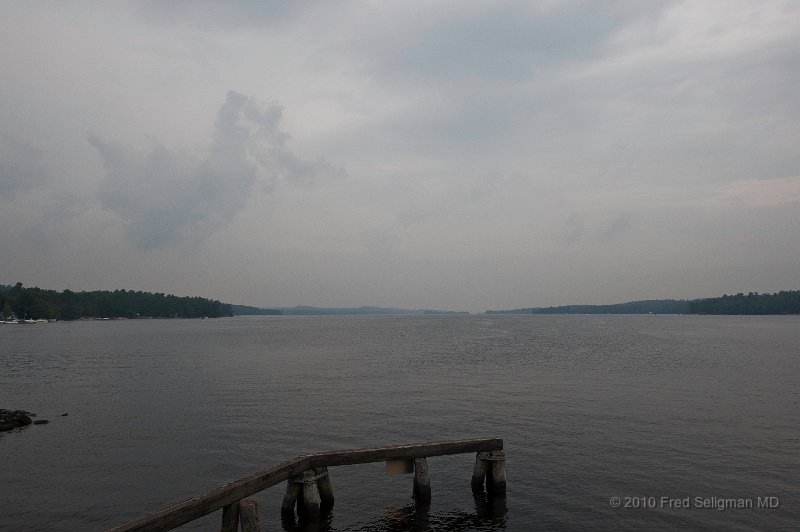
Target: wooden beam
419 450
190 509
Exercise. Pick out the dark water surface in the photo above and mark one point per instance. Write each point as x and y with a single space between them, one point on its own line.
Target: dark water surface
590 407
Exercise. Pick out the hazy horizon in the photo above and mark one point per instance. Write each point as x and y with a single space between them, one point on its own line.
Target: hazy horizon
433 309
411 155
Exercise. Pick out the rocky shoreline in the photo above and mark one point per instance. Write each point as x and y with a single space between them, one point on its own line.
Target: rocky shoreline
12 419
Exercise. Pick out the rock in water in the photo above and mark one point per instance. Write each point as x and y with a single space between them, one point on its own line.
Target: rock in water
10 419
23 419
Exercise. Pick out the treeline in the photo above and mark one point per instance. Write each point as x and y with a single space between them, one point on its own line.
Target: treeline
37 303
783 302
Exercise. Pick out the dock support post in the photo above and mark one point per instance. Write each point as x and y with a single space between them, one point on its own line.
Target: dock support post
293 489
325 488
311 492
479 472
248 514
311 500
230 517
497 473
491 468
422 482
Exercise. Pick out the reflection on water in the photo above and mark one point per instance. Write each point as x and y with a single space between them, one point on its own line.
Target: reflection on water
489 515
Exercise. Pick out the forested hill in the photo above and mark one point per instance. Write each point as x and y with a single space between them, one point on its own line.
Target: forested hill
38 303
784 302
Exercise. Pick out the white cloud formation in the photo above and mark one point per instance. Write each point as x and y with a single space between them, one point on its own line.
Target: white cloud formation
167 196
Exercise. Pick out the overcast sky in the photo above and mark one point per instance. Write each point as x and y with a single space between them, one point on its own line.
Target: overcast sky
457 155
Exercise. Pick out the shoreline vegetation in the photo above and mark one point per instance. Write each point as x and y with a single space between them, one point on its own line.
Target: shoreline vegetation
783 302
32 304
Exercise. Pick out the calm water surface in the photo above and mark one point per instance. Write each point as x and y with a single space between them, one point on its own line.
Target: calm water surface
590 407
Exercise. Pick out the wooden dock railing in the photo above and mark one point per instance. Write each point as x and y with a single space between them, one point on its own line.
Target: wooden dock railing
310 489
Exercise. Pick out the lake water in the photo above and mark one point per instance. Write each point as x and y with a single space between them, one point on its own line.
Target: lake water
589 407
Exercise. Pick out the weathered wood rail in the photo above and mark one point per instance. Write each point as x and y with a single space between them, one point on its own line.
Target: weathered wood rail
309 472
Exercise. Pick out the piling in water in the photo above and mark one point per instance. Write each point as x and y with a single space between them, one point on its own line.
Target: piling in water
422 482
230 518
490 468
248 515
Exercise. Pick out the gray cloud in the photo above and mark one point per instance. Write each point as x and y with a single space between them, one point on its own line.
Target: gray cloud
20 166
616 227
214 14
574 229
511 42
168 196
497 77
606 227
380 243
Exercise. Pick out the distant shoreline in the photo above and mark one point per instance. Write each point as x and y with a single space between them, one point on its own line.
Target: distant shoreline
751 304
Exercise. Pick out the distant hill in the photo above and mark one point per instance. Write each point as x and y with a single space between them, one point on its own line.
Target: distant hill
358 311
244 310
784 302
654 306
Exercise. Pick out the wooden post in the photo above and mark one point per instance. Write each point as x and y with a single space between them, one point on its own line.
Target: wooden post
479 472
311 500
248 514
325 488
497 487
293 489
422 482
230 517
